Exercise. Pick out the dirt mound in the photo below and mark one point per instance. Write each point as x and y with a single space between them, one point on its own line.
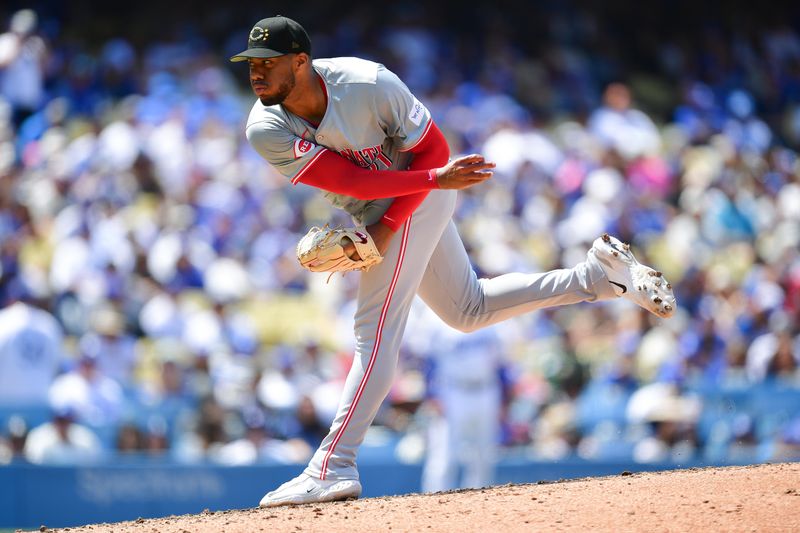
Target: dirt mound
752 498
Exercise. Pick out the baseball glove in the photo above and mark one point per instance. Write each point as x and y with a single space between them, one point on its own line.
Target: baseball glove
322 250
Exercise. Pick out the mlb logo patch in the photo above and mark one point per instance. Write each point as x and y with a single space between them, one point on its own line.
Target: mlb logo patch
417 112
302 147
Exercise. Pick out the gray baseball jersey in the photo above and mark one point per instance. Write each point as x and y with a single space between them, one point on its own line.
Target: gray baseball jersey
371 118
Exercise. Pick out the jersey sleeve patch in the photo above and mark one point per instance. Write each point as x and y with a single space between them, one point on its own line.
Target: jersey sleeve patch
302 147
417 112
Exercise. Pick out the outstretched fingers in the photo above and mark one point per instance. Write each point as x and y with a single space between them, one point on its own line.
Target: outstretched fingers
464 172
471 158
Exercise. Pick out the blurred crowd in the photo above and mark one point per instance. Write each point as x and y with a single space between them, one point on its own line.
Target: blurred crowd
151 303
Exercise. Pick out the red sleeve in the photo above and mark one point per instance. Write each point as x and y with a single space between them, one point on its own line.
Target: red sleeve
430 152
334 173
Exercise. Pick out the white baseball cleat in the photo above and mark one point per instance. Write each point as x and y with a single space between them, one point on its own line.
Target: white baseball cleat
307 489
638 283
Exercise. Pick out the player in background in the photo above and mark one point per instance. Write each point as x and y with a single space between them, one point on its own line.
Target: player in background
466 389
352 128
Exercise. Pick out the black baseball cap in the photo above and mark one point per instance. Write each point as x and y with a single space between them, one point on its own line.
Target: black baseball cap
275 36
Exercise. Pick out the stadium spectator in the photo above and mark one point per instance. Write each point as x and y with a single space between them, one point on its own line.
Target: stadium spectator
62 441
787 447
671 418
112 346
310 428
156 438
619 127
12 444
30 352
129 439
775 355
22 60
257 445
94 398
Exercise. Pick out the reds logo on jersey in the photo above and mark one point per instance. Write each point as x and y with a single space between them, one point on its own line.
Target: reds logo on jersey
302 147
372 157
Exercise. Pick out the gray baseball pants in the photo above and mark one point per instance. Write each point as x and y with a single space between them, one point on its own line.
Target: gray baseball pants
428 258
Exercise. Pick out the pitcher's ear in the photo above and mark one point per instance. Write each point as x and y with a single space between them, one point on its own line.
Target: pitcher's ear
301 59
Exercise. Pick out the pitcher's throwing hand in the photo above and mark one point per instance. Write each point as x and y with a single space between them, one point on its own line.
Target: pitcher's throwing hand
464 172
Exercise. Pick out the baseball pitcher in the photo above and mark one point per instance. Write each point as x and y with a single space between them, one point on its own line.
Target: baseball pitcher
351 128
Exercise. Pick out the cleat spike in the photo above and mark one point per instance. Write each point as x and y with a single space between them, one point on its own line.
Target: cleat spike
653 291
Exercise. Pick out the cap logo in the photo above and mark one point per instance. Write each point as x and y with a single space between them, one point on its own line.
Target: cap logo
259 34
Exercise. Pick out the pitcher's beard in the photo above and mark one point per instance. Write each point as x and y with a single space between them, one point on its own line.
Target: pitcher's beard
283 92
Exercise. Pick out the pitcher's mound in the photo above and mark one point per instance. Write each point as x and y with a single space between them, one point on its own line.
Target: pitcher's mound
752 498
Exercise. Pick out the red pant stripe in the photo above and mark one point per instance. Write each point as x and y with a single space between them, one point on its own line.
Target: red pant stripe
375 349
